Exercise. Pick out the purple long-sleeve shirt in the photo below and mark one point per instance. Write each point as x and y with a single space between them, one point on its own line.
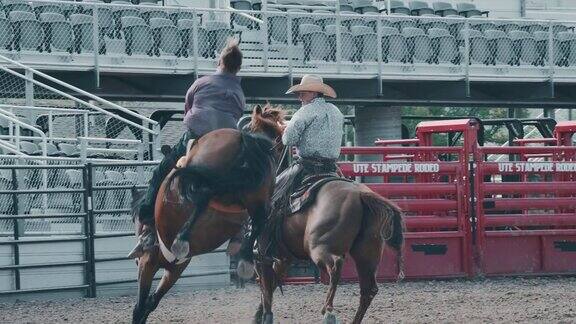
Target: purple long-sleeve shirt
213 102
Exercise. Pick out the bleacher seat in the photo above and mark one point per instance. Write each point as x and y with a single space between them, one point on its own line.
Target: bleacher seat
138 36
507 26
433 22
352 19
74 178
58 31
299 17
69 150
419 45
326 18
123 10
455 26
366 43
51 150
277 25
444 46
131 176
443 9
6 32
393 45
567 42
166 37
16 5
525 48
46 7
29 148
479 48
419 8
114 176
398 7
185 27
239 19
559 28
83 34
347 48
346 6
218 34
401 21
106 21
364 6
482 24
315 42
28 33
501 47
148 13
181 14
532 27
468 10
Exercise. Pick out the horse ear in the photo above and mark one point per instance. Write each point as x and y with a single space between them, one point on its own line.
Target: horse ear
257 110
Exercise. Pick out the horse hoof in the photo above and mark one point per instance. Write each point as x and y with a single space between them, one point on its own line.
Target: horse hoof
180 249
330 318
245 269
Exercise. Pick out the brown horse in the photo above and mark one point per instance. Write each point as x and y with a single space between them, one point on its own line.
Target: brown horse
225 179
346 218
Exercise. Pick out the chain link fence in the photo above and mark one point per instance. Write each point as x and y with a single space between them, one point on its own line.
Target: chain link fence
316 39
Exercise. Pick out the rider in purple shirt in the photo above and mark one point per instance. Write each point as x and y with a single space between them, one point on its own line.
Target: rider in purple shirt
212 102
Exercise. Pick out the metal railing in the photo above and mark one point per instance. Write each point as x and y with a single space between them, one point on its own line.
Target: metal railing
177 40
88 206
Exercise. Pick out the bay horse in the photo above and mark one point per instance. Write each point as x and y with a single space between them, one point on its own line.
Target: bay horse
226 178
345 218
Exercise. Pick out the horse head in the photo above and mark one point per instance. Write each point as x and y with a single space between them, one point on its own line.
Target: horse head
270 122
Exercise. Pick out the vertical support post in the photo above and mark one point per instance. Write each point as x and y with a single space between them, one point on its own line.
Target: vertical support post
338 45
379 53
29 93
50 127
467 57
156 143
570 117
195 42
89 229
16 228
266 37
96 42
86 116
551 62
290 46
83 149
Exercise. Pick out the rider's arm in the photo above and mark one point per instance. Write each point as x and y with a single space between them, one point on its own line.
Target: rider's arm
296 127
189 100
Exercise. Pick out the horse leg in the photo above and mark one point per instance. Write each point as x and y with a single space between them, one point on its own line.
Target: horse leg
268 284
258 214
147 268
332 264
366 253
168 280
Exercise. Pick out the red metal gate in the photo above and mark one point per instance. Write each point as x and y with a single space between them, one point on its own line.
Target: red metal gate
468 216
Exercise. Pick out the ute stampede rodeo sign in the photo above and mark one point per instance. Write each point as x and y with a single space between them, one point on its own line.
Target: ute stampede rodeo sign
396 167
537 167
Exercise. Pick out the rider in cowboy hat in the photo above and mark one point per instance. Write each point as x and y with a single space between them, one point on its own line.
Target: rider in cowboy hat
212 102
316 131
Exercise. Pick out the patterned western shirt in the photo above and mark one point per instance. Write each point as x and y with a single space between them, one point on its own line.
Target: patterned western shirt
316 130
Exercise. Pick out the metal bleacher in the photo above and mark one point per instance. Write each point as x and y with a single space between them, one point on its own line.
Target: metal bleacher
410 39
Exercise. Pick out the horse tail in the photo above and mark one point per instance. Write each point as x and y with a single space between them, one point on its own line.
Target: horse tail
199 184
389 216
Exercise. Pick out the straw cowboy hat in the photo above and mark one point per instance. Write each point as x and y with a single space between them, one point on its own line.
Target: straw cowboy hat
314 83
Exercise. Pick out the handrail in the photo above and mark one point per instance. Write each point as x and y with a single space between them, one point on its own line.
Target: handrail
245 15
80 91
6 115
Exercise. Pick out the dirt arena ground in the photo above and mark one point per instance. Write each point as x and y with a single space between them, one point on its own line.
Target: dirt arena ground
534 300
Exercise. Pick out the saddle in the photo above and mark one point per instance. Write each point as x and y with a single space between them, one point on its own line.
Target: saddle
306 193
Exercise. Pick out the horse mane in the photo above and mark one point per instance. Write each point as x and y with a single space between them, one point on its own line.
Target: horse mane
267 120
